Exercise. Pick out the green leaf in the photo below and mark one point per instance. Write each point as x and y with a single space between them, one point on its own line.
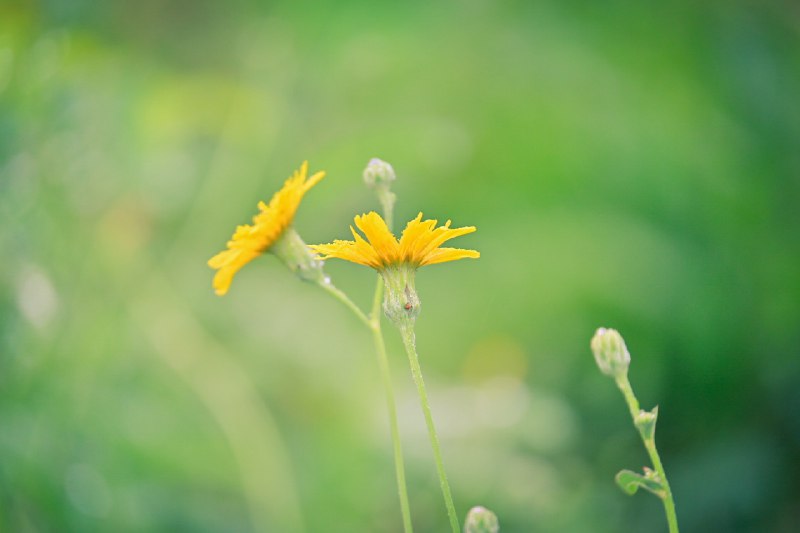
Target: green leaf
646 423
630 482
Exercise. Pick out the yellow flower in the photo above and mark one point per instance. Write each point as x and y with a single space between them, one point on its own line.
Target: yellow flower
419 245
248 242
397 261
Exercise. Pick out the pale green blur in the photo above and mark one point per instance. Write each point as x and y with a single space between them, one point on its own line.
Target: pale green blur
629 165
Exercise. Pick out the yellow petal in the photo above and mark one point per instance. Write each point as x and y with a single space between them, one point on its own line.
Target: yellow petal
442 255
419 244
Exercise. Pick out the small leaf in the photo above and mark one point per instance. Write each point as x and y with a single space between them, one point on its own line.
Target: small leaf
646 423
630 482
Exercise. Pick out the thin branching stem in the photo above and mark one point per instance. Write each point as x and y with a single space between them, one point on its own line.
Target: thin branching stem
650 445
331 289
383 362
373 323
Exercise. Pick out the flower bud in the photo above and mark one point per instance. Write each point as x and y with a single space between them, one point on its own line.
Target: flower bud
610 352
481 520
378 172
379 176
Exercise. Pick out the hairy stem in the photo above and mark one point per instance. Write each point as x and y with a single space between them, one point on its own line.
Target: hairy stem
383 362
407 332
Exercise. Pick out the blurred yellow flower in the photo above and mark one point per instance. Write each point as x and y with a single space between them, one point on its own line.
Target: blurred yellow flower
248 242
419 245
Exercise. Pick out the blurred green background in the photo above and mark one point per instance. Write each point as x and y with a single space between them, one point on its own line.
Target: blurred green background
628 164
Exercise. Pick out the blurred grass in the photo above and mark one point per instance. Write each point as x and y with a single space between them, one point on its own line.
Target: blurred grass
630 165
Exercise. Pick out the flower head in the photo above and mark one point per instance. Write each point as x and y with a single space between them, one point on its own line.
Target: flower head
397 261
273 219
419 245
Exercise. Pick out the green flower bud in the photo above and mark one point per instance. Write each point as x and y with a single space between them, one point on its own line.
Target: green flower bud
379 176
378 172
296 254
481 520
610 352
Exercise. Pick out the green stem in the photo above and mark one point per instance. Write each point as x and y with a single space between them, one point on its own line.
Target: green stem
407 332
386 198
650 445
331 289
373 323
383 362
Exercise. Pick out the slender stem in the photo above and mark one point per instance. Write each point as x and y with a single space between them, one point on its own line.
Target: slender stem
375 313
650 444
386 198
630 398
407 332
383 362
373 322
669 502
342 297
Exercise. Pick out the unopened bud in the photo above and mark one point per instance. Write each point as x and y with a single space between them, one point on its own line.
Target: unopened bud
481 520
378 172
610 352
379 176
